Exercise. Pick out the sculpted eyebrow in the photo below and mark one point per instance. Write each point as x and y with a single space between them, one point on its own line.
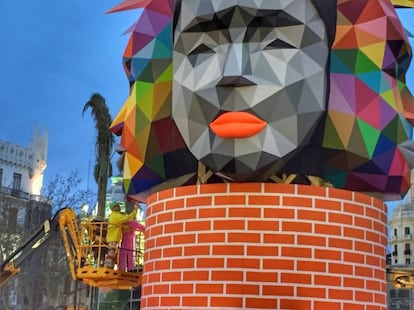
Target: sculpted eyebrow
248 17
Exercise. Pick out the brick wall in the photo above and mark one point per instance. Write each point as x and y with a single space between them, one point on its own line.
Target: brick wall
264 246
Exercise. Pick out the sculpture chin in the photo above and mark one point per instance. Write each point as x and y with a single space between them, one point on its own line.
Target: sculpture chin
238 169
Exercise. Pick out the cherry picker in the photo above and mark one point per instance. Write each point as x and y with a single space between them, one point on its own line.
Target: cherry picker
85 251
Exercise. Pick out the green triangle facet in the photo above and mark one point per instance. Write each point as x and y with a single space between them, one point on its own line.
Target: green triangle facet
370 136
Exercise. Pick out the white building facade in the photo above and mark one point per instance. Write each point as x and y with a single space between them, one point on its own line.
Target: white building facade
22 209
401 233
22 168
401 250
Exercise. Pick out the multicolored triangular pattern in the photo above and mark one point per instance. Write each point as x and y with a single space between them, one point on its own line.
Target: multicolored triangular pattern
367 115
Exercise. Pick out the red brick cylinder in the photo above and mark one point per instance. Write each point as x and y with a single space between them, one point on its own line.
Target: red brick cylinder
264 246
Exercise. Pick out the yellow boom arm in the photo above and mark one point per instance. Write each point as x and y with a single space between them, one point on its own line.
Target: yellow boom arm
84 254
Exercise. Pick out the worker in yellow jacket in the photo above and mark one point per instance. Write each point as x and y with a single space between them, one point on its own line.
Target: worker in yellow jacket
116 220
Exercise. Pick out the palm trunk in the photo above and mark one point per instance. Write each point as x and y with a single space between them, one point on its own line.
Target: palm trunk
104 144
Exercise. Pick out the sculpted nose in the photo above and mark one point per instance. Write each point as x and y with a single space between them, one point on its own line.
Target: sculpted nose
237 67
235 81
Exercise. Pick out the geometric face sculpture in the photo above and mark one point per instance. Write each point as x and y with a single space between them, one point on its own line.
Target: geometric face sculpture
249 83
253 88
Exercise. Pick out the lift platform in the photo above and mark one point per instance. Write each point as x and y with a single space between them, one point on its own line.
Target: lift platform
85 249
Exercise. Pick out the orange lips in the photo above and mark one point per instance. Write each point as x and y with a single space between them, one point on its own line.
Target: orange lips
231 125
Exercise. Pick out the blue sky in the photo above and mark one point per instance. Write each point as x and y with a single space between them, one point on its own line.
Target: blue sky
53 56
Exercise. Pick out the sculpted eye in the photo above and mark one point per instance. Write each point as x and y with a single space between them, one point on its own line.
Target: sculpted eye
201 49
200 54
278 44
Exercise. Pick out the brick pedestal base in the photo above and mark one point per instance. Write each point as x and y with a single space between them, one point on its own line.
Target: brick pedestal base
264 246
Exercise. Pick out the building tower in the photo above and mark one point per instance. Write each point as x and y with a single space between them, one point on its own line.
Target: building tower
21 210
22 168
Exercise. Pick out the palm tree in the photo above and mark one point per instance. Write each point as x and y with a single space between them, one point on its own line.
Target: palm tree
103 148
